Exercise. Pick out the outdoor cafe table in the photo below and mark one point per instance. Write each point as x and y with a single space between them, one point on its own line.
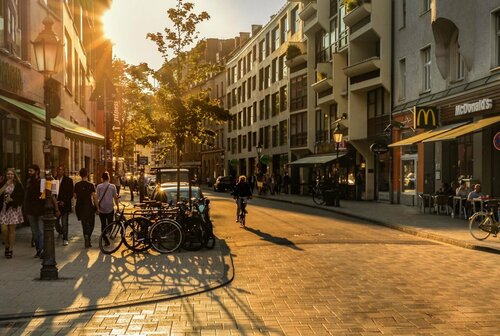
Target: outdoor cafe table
482 201
461 203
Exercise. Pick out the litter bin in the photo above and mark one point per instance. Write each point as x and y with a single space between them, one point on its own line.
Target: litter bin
332 197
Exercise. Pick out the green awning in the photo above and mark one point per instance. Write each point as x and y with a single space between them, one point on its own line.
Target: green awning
69 128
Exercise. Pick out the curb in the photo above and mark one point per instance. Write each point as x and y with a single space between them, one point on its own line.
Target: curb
403 228
228 276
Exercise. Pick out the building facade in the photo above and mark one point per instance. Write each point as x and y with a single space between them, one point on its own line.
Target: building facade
75 142
446 106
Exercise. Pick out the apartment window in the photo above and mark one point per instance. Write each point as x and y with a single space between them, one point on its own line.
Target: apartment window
267 77
254 138
243 91
254 82
274 70
497 37
268 105
283 133
274 136
275 104
228 75
249 88
13 27
261 109
249 115
244 141
244 114
298 93
283 68
233 146
375 102
425 55
298 130
403 14
249 137
457 60
283 98
240 69
68 57
230 125
254 111
284 29
77 80
426 5
240 121
275 43
402 79
239 144
295 20
249 61
261 79
234 72
239 94
81 87
267 130
262 50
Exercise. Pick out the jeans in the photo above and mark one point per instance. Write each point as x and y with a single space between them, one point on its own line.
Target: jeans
36 224
88 223
106 219
63 229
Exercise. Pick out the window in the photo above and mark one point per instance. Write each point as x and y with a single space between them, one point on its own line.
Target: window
409 177
268 105
283 98
298 130
274 136
298 93
282 66
244 141
283 133
77 80
267 77
262 50
426 5
333 7
244 113
261 109
457 61
497 38
249 137
284 29
240 120
295 26
13 29
275 104
375 102
274 70
81 86
254 111
261 79
267 130
68 57
275 35
239 144
425 55
403 14
402 79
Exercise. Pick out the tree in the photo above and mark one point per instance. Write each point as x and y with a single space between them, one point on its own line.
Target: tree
181 110
135 109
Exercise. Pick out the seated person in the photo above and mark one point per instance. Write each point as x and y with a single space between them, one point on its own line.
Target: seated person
445 190
476 193
462 190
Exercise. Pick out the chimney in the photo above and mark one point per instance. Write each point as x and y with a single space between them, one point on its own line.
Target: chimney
237 42
256 29
245 36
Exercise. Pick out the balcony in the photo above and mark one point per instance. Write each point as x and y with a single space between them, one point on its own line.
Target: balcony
366 66
309 15
296 54
358 14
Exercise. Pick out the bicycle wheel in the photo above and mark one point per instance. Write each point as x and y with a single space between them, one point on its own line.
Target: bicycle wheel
136 234
318 197
242 219
194 234
111 238
166 236
480 225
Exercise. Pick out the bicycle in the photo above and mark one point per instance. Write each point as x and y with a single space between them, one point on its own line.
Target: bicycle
484 223
318 193
243 212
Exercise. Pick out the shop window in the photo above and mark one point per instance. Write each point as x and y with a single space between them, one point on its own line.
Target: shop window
408 175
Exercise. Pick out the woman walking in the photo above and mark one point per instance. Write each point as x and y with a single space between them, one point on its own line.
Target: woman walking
106 195
11 215
86 205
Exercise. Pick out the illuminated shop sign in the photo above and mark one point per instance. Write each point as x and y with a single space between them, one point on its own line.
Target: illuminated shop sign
481 105
425 117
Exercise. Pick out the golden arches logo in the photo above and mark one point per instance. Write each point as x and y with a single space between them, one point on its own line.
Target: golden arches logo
425 117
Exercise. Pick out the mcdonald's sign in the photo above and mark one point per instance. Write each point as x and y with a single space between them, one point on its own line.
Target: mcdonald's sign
425 117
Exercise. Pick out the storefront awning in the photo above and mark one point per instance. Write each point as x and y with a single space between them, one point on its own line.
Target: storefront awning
316 160
69 128
426 135
466 129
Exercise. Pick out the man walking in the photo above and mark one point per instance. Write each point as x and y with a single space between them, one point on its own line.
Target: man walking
33 207
64 197
286 183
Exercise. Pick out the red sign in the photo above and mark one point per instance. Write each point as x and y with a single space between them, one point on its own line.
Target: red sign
496 141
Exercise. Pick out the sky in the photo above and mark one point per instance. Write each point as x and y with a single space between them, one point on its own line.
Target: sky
128 21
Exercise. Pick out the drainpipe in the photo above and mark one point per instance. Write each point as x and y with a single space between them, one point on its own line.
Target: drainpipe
391 168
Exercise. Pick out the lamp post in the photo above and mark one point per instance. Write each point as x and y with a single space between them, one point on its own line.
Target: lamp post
222 156
337 137
47 48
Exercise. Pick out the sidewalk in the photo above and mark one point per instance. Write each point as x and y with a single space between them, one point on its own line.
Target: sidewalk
90 280
405 218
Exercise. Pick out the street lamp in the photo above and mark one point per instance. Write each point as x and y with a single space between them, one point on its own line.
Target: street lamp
47 48
222 156
337 138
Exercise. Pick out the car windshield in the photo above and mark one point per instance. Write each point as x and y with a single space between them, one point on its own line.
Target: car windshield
172 193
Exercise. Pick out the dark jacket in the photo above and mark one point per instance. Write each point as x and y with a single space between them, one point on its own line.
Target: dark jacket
17 196
65 194
242 190
33 205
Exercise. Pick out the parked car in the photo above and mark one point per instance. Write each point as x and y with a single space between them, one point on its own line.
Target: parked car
167 192
150 188
223 183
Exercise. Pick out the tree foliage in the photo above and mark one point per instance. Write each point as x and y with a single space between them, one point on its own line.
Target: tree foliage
181 107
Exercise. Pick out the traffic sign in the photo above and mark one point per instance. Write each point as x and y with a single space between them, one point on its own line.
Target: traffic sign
143 160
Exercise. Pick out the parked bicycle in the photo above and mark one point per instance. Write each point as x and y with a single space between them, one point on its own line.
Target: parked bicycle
318 193
483 223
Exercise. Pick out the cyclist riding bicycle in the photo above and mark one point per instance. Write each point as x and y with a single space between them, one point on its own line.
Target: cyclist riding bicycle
241 191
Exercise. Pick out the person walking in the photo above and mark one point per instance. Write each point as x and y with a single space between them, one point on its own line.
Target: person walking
279 181
286 183
118 182
11 214
33 207
86 206
131 185
106 196
64 197
141 184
